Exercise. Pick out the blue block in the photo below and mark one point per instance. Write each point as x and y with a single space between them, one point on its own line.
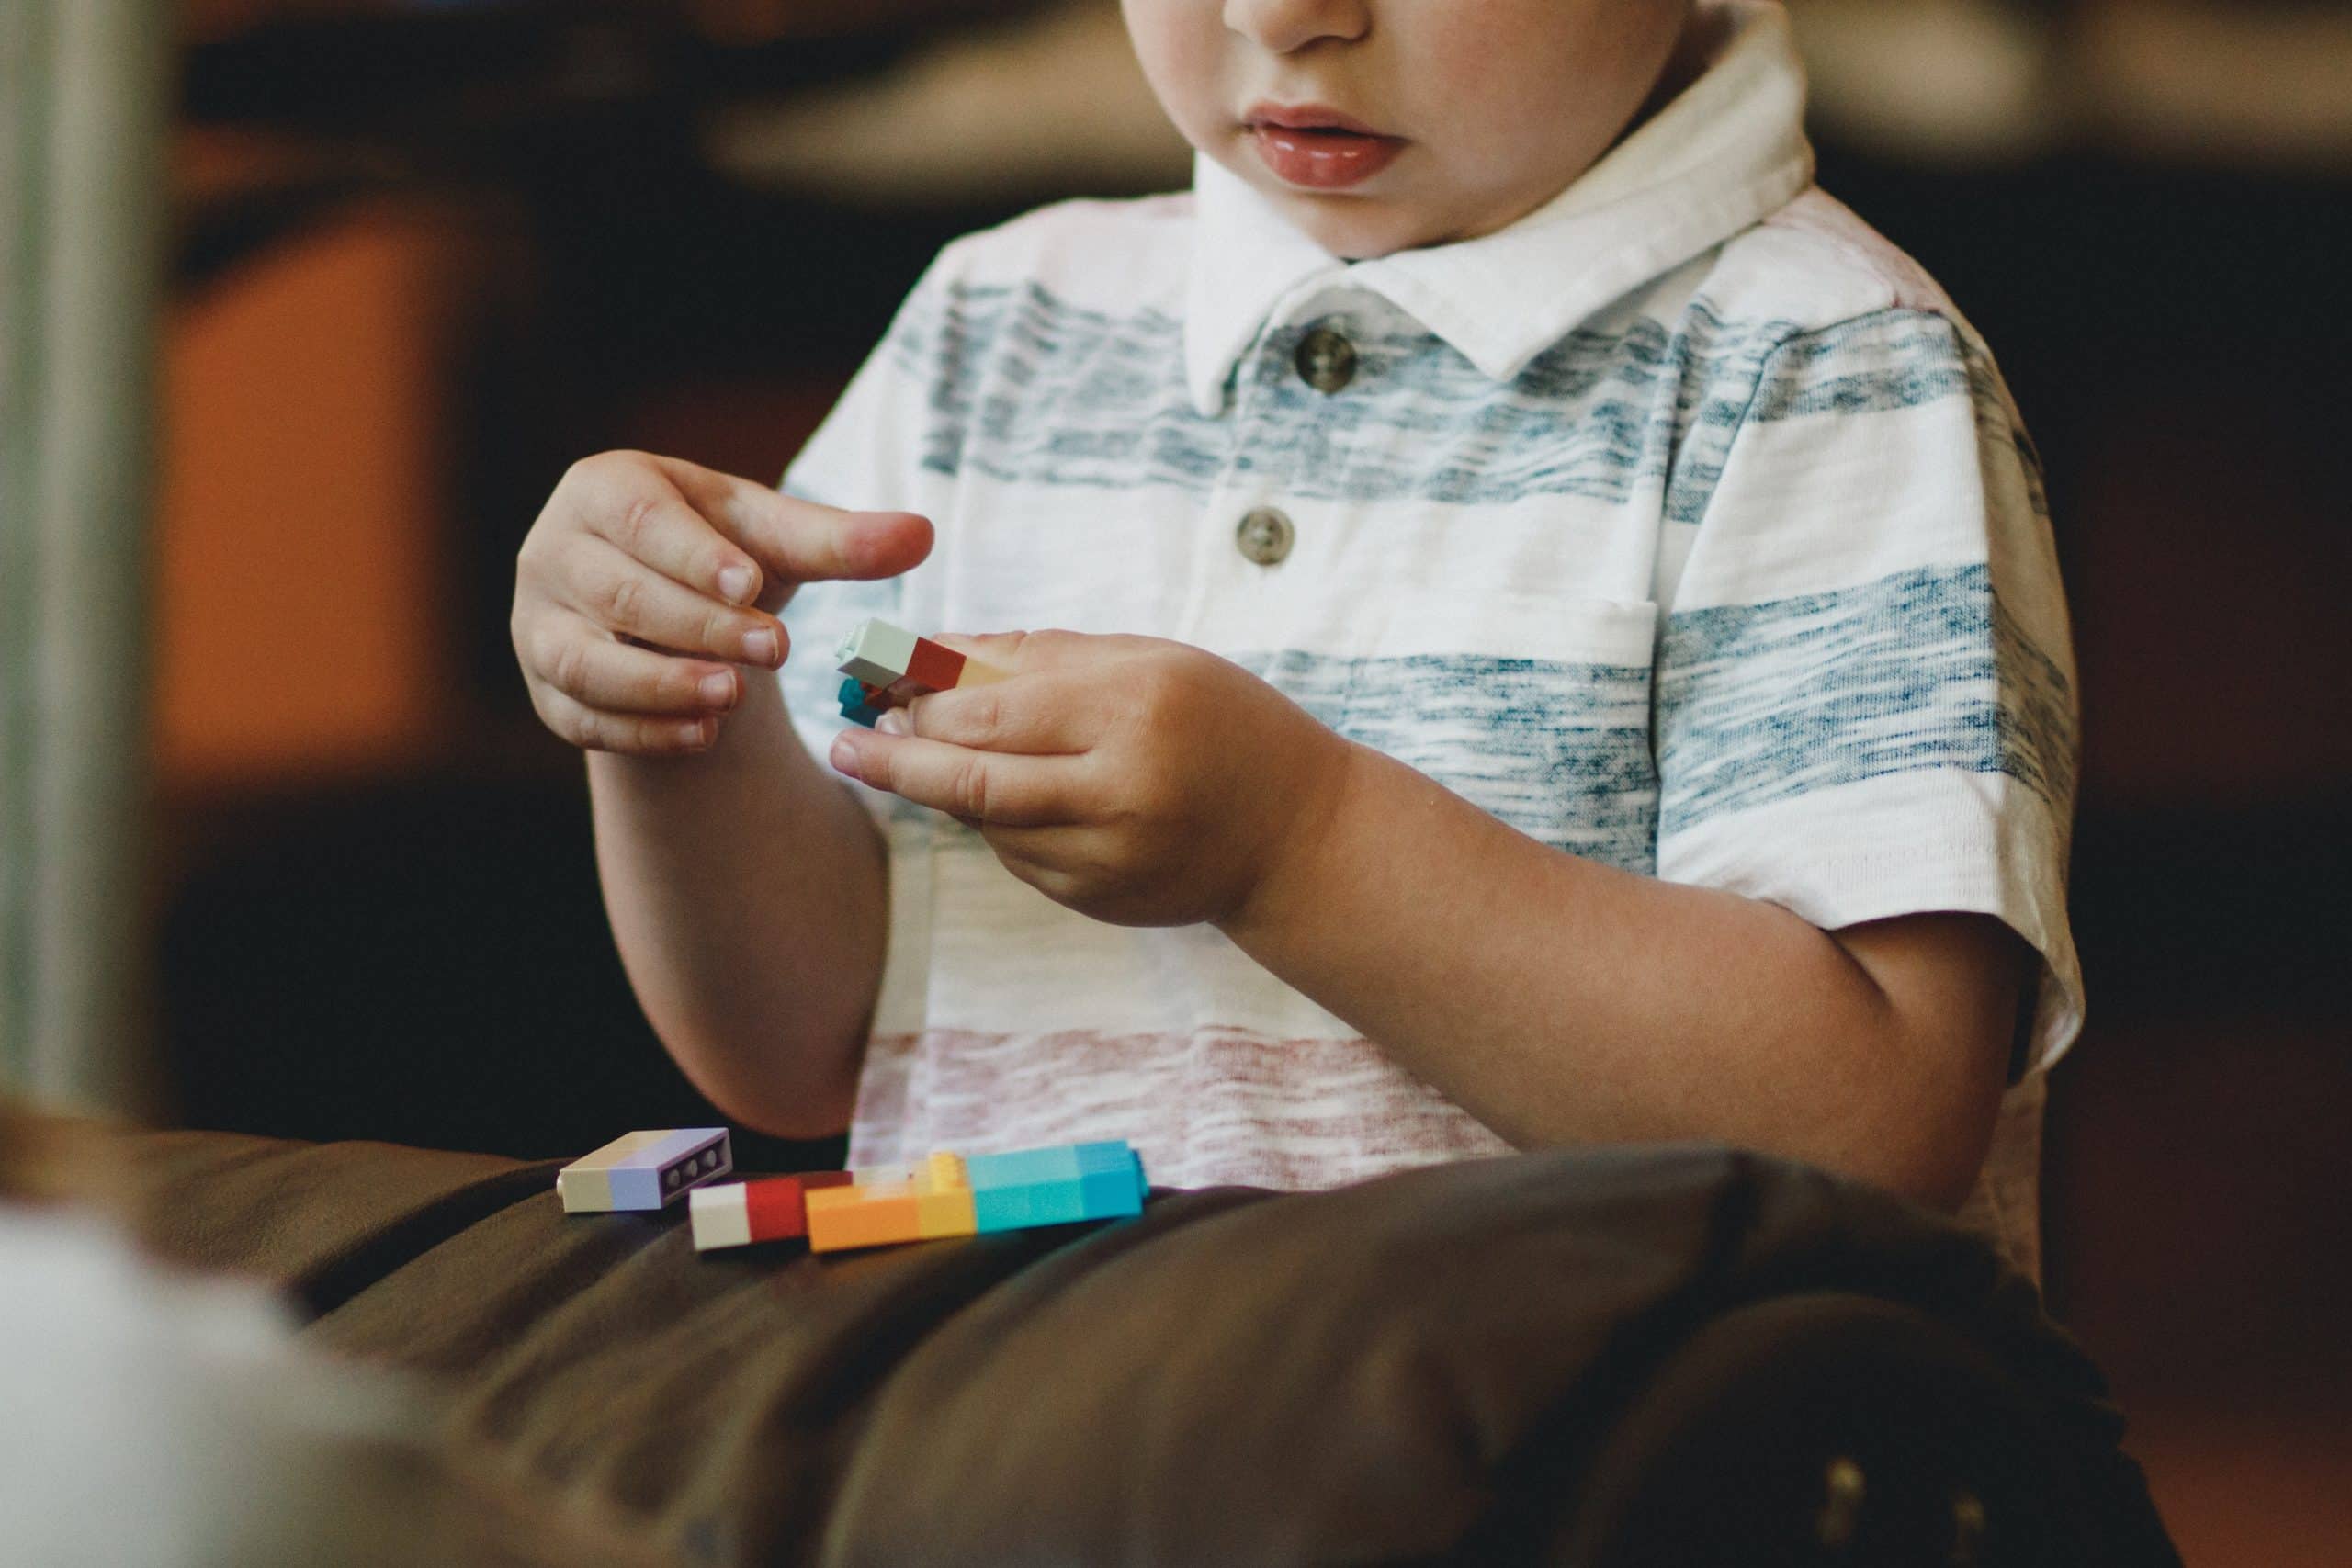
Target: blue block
1031 1203
1021 1168
1110 1194
1097 1158
854 707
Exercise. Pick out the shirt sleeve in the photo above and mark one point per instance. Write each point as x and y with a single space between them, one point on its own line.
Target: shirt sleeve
1865 700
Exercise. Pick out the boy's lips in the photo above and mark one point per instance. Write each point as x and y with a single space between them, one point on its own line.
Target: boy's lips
1317 148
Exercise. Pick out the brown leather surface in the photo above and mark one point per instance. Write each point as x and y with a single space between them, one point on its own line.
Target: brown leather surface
1238 1376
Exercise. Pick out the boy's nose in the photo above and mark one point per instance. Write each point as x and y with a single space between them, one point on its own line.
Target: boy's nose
1281 25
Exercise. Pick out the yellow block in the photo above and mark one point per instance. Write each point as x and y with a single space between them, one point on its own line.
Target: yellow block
946 1214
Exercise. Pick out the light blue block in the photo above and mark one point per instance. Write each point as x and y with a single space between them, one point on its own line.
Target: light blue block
1022 1166
636 1189
1114 1155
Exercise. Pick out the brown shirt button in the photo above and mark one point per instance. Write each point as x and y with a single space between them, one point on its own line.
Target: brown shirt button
1265 535
1325 360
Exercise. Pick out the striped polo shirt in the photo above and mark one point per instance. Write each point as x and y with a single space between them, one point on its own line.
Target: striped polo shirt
1683 525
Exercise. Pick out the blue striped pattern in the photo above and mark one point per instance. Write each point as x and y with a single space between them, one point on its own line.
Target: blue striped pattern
1560 751
1760 703
1027 387
1754 703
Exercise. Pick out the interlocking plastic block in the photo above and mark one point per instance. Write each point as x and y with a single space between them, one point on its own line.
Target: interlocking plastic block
1055 1185
893 1204
841 1217
880 655
934 666
738 1213
874 652
943 1202
644 1170
860 702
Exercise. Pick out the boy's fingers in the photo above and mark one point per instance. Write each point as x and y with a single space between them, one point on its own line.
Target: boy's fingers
801 541
639 510
599 673
1042 714
1021 653
619 594
977 786
629 735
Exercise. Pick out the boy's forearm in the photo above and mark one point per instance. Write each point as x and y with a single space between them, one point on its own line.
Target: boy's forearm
1560 1001
747 895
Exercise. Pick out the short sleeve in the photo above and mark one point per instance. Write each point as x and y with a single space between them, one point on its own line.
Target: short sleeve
1864 695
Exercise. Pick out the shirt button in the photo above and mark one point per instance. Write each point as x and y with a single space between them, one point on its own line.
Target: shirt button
1265 535
1325 360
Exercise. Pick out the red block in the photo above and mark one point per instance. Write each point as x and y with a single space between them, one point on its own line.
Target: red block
776 1209
936 665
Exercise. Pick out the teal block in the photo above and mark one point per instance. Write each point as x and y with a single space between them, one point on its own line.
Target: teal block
1012 1208
1099 1158
1023 1166
1109 1194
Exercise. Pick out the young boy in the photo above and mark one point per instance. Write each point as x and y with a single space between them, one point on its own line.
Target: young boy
1563 645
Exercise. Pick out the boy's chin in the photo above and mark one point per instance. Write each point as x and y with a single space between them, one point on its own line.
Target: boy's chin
1358 228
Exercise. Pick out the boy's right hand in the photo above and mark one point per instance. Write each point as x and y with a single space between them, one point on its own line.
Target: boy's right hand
647 581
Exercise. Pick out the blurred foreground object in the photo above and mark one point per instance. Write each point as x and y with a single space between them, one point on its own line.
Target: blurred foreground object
1960 82
82 90
166 1420
1052 103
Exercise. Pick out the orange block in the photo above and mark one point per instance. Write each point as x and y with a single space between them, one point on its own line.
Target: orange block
842 1217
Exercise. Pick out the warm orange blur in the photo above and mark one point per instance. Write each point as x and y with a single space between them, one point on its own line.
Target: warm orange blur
300 623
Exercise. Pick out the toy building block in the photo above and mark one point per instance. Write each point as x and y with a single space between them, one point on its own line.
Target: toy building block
876 652
944 1201
878 655
893 1204
861 704
1055 1185
738 1213
935 666
644 1170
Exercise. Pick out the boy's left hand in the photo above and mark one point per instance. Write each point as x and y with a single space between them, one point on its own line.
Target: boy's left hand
1141 782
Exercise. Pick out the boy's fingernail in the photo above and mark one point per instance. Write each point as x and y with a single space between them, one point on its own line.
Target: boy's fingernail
759 646
895 722
845 755
736 584
718 690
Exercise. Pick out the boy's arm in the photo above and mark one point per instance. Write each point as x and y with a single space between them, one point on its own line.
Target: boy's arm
747 895
1560 1001
1557 999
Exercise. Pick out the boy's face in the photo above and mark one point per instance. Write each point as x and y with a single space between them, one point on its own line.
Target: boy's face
1455 116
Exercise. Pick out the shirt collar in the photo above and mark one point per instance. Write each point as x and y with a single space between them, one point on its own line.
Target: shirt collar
1727 152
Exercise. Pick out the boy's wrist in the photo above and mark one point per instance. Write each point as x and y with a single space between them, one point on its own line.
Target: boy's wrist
1301 858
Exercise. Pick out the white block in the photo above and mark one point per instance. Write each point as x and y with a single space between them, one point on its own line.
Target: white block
721 1216
876 652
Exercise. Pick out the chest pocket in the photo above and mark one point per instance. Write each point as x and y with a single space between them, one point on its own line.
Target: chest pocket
1534 708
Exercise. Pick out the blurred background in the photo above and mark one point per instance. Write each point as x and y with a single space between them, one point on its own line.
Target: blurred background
395 265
